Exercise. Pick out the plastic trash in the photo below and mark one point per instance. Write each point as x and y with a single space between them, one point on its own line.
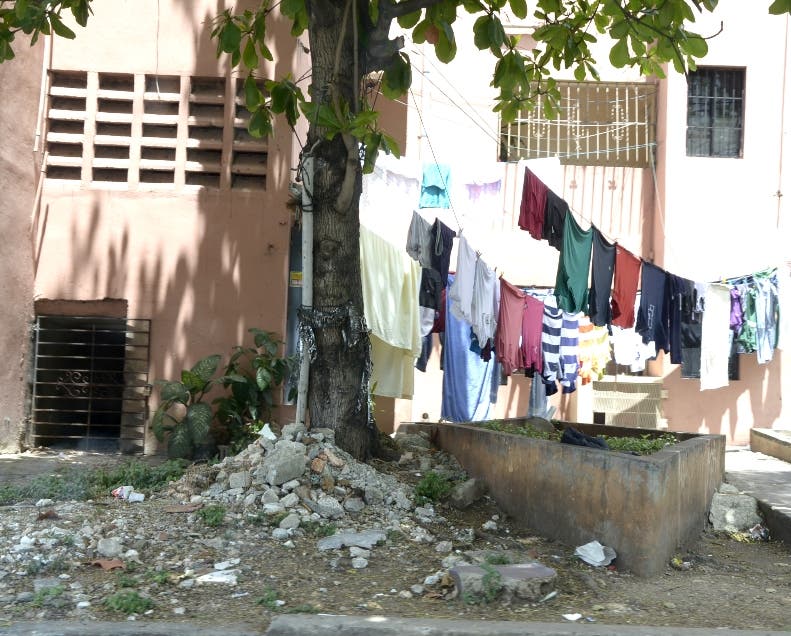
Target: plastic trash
572 617
127 493
596 554
267 433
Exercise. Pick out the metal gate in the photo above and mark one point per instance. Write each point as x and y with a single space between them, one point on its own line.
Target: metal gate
90 383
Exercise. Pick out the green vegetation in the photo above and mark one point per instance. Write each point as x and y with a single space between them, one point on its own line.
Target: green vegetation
497 558
268 599
128 602
47 593
491 584
302 608
645 444
212 516
124 580
160 577
433 487
80 484
318 529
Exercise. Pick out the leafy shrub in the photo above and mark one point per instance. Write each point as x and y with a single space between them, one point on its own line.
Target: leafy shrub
128 602
212 516
433 487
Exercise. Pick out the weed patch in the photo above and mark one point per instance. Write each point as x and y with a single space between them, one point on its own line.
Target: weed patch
128 602
212 516
433 487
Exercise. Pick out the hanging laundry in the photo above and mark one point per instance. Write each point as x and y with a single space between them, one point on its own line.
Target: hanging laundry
441 246
555 214
737 315
784 306
509 327
435 186
468 384
418 242
537 402
767 313
691 318
390 294
650 324
569 351
430 296
624 291
533 206
602 268
716 336
680 293
460 293
594 350
485 303
388 194
550 344
571 284
532 321
747 337
628 349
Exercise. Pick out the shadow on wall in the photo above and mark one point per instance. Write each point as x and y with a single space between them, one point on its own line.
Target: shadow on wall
753 401
204 266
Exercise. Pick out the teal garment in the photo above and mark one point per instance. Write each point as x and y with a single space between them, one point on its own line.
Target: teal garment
571 285
435 186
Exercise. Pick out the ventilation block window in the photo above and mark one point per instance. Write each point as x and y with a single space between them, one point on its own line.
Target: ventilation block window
90 385
715 112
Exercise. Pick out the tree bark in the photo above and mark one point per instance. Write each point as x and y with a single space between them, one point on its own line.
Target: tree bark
338 397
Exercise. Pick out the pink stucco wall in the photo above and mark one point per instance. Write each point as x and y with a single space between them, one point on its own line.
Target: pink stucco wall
722 217
203 264
19 84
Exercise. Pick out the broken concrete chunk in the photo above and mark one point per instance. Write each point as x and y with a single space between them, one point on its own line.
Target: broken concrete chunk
366 539
522 581
467 493
733 512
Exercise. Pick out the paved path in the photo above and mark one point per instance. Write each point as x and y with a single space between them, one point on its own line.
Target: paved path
769 481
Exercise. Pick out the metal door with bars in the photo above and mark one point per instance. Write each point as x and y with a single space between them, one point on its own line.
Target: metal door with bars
90 383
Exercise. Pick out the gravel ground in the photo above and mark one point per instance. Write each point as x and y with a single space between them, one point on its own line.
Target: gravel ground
109 559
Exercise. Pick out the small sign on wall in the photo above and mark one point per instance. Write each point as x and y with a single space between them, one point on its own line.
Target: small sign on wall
295 279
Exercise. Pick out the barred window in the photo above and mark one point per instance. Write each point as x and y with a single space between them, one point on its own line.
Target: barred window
715 112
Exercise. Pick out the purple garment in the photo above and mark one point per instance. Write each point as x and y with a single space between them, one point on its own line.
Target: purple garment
737 315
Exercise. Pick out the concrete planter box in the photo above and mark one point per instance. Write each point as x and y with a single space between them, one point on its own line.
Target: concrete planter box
645 507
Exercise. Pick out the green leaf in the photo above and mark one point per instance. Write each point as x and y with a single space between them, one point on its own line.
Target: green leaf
180 443
192 382
59 28
373 11
253 97
397 77
778 7
173 391
20 8
481 32
619 54
445 48
519 7
263 378
409 20
198 421
206 367
157 423
249 56
694 45
230 37
81 9
260 123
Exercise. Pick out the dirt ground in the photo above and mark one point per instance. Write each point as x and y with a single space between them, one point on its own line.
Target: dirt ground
727 584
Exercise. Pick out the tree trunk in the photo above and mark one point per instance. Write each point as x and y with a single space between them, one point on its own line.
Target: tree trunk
338 397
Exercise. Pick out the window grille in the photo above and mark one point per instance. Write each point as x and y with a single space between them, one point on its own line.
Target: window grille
715 112
90 384
151 132
598 124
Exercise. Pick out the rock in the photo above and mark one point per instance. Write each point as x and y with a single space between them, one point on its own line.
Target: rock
290 500
421 535
733 512
250 499
353 504
269 497
281 534
44 503
318 464
451 560
540 424
373 495
417 590
226 565
334 460
273 508
490 525
240 479
24 597
467 493
444 547
366 539
412 441
109 547
83 605
187 584
523 581
45 584
329 507
224 577
284 463
290 485
358 563
293 431
290 522
728 489
405 594
356 551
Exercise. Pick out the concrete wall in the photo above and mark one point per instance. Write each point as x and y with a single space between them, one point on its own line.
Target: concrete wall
643 507
721 217
20 79
204 264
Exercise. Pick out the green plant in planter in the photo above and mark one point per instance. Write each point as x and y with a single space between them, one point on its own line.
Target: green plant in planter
182 416
252 375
